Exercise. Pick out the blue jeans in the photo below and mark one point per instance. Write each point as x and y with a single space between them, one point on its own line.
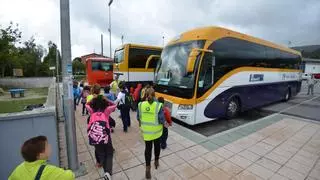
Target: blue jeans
125 117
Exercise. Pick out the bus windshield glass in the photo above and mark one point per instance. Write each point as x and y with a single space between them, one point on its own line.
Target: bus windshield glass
119 56
101 66
172 69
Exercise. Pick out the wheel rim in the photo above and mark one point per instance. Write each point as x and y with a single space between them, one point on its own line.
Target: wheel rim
233 107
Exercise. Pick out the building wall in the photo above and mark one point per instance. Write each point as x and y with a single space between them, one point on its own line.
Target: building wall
312 67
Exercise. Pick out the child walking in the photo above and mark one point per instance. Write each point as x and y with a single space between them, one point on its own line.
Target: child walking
111 97
99 132
168 123
84 94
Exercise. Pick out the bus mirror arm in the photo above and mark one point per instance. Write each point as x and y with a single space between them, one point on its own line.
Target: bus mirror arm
150 58
193 56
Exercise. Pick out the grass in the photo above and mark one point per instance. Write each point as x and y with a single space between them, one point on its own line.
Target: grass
17 105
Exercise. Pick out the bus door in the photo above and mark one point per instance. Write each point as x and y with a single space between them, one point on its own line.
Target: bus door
204 84
153 59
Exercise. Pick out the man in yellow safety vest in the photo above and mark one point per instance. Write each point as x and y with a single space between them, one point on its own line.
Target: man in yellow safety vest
151 119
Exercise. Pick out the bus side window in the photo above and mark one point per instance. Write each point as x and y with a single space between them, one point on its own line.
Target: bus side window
206 74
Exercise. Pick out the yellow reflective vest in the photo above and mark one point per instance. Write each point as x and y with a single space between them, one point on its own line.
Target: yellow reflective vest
150 126
29 170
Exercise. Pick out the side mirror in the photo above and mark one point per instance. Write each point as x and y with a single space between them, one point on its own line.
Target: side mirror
150 58
192 59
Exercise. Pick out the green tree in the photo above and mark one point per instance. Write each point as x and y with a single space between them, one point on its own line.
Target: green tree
50 59
77 66
8 38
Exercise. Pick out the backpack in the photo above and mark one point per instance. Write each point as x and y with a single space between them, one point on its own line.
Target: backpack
129 102
98 129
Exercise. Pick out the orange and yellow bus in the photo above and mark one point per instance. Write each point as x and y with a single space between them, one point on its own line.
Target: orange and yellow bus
130 61
213 72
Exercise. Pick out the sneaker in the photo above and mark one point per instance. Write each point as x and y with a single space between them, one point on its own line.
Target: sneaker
107 176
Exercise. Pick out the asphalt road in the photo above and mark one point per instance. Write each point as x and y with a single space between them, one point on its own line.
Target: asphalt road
302 105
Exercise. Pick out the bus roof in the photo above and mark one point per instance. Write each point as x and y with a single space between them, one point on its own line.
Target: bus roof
140 46
214 33
100 59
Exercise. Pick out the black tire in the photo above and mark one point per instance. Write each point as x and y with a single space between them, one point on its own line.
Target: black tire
232 108
287 95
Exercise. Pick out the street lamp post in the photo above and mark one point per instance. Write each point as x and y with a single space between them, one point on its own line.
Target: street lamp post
109 4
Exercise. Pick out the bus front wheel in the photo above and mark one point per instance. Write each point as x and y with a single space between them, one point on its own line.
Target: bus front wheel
233 108
287 95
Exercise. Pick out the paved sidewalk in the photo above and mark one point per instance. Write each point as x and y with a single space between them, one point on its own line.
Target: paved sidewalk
276 147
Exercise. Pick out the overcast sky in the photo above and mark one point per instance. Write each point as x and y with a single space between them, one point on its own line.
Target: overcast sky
147 21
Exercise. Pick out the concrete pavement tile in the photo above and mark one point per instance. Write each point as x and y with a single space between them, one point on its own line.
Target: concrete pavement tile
200 177
187 154
256 136
290 173
261 148
278 177
89 176
209 146
213 158
116 167
198 149
120 176
165 152
246 175
161 168
219 142
172 160
277 158
260 171
126 164
185 171
170 140
138 150
283 152
297 166
168 175
245 142
249 155
311 178
292 150
187 143
269 164
304 160
178 138
224 153
235 148
136 173
175 147
82 148
315 173
123 155
272 141
240 161
216 173
230 168
200 164
84 156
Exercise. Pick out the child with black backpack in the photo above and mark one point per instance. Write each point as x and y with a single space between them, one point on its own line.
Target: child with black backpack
123 102
99 132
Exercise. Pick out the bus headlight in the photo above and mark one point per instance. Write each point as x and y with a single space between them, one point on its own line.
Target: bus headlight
185 107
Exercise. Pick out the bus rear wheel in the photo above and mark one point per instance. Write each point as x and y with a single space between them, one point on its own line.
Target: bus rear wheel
233 108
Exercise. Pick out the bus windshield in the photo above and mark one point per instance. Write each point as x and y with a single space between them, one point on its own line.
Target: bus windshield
119 56
172 69
101 66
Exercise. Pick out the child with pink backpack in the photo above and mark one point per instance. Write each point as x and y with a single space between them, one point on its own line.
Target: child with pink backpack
99 132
